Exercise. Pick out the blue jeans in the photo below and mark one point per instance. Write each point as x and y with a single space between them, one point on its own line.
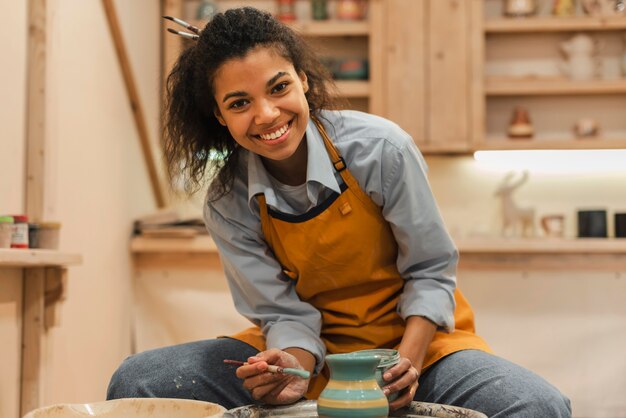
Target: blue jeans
471 379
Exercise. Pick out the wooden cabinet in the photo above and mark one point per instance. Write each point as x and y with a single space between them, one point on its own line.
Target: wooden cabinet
522 67
450 72
42 273
430 76
333 39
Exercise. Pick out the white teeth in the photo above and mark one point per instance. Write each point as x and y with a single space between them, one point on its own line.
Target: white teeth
275 134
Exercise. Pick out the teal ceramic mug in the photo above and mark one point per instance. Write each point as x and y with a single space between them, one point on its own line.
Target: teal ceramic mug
388 359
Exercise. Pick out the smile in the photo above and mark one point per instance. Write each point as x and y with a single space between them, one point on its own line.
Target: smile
276 134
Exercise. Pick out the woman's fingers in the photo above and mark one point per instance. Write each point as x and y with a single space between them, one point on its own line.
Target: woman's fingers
268 389
402 378
256 375
404 398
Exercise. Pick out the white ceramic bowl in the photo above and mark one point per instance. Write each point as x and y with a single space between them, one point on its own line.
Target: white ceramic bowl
132 408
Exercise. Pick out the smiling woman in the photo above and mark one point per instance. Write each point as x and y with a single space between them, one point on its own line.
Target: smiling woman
330 237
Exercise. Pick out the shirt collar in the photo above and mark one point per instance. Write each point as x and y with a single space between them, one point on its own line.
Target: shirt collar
319 170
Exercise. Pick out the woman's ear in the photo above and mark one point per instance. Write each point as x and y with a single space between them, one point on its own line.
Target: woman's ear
219 117
304 81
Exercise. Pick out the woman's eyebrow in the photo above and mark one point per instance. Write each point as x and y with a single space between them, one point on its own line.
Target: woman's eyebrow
276 77
234 94
243 93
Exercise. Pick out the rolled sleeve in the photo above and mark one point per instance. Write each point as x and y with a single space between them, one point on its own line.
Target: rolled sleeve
260 290
427 257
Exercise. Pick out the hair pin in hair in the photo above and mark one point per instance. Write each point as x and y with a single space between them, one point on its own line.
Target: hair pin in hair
194 36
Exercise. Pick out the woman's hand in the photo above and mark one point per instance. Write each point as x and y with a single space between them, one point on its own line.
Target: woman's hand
273 388
401 378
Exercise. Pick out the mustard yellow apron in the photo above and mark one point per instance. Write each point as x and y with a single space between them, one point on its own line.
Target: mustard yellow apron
343 260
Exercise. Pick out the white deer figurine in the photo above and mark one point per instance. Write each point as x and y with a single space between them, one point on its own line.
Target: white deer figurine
516 220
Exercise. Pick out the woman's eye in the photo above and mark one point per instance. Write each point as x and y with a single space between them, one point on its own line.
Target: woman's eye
238 104
280 87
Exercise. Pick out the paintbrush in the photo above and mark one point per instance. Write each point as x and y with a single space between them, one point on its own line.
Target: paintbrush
194 36
275 369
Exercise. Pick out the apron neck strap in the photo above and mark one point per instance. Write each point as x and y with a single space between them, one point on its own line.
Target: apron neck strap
336 158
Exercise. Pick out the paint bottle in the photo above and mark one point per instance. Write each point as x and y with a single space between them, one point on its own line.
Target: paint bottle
19 239
49 235
6 231
33 235
286 10
319 9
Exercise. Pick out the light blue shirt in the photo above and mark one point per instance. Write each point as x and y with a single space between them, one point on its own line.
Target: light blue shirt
390 169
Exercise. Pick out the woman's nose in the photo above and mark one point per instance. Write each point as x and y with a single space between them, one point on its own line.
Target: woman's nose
266 112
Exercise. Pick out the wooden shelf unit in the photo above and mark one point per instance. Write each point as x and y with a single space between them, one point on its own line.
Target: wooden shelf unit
43 275
555 102
361 94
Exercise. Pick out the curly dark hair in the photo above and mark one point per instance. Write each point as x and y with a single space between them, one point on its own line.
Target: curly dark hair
192 134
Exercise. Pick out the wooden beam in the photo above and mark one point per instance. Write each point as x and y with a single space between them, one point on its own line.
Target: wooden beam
32 340
35 108
135 103
31 392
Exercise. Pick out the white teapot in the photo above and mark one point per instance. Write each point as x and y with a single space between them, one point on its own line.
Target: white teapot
581 60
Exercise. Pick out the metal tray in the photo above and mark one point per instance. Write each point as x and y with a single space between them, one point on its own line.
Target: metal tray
308 409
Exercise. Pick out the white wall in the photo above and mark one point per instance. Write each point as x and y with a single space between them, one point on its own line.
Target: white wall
101 184
96 181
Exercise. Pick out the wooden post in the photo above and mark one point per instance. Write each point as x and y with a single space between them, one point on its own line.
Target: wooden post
33 280
135 103
36 113
32 341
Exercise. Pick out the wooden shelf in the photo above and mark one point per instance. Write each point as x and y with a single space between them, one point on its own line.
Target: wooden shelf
198 244
37 258
542 254
505 143
507 86
542 245
332 28
601 254
554 24
205 244
322 28
353 88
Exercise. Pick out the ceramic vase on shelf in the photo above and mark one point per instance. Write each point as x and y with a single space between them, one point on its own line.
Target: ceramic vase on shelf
564 8
581 57
520 126
350 9
352 390
520 8
206 10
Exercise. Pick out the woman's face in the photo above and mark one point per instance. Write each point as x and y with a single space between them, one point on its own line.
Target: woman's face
260 99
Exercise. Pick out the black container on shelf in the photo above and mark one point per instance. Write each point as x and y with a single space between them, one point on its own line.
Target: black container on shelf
319 9
592 223
620 225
